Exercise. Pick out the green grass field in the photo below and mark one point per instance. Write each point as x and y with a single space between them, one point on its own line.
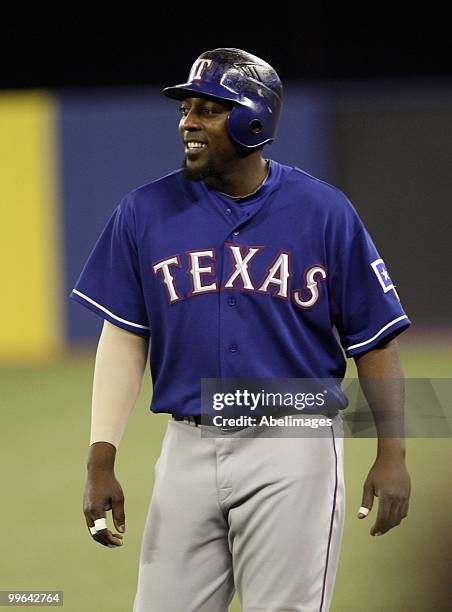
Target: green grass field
45 414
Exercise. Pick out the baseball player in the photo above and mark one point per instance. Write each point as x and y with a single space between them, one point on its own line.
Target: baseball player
238 266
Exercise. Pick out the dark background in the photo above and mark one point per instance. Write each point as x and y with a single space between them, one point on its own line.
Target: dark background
140 46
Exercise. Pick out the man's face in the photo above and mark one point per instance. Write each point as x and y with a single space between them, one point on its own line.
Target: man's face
208 147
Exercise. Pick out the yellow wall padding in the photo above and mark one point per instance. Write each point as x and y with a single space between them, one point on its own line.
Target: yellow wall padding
30 255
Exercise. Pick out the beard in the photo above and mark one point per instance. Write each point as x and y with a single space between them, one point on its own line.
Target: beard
200 174
212 169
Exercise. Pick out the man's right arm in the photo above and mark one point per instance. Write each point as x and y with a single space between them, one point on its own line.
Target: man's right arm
120 362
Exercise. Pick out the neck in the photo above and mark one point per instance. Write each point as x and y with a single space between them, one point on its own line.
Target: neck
241 178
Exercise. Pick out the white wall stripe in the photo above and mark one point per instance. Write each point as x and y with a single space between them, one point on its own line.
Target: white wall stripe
88 299
377 334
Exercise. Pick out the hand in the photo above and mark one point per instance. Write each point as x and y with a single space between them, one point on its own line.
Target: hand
103 492
388 479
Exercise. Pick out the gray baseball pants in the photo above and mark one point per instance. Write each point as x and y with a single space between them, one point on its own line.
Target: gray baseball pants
263 516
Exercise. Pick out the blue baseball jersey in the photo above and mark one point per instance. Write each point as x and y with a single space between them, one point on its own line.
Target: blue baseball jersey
279 284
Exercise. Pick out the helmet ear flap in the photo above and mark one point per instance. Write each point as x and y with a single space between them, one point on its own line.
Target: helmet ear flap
249 124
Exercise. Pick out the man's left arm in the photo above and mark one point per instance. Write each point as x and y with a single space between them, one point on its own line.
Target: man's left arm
382 381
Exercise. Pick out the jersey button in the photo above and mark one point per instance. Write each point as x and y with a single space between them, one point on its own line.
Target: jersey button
228 211
232 301
233 348
236 233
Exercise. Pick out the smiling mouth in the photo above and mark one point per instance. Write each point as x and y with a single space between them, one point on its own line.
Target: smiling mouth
193 146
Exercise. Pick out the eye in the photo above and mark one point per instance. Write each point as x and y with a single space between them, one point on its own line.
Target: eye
183 111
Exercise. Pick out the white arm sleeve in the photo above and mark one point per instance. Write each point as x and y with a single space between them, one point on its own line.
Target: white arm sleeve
120 362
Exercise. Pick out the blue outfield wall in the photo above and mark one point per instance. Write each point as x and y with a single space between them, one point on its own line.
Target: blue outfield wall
111 143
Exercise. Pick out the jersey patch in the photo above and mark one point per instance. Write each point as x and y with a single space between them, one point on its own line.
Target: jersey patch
382 274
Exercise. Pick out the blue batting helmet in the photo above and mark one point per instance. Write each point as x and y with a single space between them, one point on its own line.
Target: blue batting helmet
249 82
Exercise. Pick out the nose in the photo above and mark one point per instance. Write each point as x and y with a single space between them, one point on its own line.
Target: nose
189 122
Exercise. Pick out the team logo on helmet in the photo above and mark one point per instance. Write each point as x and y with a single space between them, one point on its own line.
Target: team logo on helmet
199 69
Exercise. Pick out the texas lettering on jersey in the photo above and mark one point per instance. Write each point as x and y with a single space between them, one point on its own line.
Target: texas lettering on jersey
201 272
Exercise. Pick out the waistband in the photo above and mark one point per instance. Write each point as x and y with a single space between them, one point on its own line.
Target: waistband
207 421
194 420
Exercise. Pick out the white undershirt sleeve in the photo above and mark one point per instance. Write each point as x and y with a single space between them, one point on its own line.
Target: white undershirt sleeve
120 362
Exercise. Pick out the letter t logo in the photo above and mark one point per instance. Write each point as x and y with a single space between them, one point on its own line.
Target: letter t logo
199 69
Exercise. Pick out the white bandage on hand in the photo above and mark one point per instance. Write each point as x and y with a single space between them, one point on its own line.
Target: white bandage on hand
99 524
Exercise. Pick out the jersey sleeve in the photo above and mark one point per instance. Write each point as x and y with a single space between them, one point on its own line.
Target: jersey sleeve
110 283
365 306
